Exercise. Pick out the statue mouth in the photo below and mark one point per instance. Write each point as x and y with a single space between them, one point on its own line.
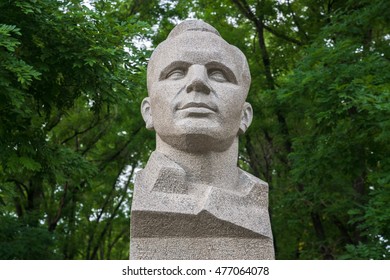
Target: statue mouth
198 106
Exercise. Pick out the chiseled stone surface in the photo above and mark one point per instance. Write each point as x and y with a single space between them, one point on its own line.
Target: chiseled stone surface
192 201
204 248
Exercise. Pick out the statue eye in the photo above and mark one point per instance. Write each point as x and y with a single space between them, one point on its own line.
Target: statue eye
176 74
217 75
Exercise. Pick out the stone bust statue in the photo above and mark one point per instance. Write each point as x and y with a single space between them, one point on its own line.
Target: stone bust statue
192 201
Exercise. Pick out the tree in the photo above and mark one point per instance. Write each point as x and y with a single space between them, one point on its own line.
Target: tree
320 97
71 81
341 90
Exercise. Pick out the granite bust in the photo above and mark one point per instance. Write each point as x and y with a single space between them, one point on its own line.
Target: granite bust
192 201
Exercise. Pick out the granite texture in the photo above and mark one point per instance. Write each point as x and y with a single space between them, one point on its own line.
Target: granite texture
191 201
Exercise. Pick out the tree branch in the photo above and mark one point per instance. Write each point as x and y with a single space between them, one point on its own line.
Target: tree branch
296 21
53 223
245 9
76 132
119 151
116 239
111 218
259 24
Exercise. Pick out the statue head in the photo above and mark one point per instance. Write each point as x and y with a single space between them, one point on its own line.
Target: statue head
197 87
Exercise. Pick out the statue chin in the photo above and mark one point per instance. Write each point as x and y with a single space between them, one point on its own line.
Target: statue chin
197 143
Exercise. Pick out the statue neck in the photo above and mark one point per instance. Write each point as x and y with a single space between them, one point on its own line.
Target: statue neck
214 168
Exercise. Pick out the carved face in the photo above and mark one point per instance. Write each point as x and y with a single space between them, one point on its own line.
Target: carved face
197 92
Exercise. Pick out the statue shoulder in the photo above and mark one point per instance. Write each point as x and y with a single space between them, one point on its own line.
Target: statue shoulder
249 182
162 174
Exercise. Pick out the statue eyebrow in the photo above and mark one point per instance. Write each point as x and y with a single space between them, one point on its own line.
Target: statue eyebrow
226 70
179 64
174 65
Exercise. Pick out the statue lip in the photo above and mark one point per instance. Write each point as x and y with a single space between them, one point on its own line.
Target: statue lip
211 107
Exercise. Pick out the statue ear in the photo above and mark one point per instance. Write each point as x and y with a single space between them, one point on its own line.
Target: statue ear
146 112
246 118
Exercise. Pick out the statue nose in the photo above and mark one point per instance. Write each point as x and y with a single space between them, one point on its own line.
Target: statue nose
198 82
199 86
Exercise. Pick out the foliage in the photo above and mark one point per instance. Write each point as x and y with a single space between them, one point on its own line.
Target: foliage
71 83
320 92
338 97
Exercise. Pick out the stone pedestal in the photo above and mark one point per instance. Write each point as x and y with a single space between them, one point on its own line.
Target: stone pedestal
173 220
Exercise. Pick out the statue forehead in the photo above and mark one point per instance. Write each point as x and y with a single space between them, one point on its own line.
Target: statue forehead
197 42
198 48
